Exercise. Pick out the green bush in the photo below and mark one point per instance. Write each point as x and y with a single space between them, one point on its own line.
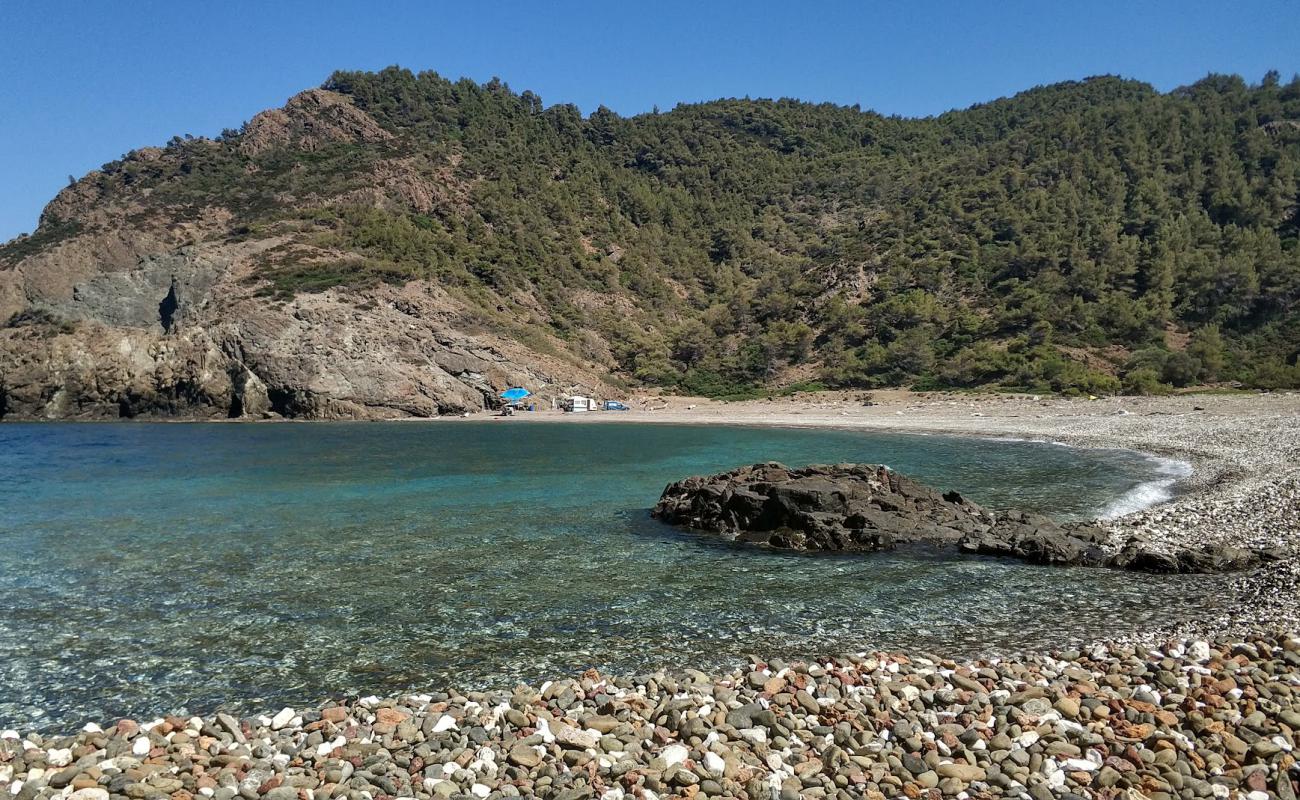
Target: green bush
1275 375
1206 346
1180 369
707 383
1144 381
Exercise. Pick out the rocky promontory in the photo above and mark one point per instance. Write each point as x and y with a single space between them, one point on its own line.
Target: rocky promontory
867 508
142 295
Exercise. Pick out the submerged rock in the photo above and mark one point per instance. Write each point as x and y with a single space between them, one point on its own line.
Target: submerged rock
865 508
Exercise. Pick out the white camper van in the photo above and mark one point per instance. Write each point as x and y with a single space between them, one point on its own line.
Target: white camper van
576 404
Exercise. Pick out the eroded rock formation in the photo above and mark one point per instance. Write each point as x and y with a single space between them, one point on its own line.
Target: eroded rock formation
865 508
124 305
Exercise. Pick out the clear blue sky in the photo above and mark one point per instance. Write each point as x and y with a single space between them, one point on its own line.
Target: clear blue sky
85 81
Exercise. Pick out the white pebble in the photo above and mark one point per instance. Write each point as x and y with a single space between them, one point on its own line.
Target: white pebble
59 757
544 730
445 723
480 790
141 746
714 763
325 748
674 754
283 718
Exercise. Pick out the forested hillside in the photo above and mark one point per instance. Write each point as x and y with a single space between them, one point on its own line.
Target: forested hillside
1093 236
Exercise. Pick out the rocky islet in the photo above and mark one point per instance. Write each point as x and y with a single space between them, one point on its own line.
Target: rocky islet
867 507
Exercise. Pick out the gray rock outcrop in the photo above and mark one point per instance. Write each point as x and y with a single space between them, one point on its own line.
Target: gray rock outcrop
866 508
125 306
211 350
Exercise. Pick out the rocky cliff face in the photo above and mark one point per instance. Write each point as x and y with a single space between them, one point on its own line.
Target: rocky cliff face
121 306
179 335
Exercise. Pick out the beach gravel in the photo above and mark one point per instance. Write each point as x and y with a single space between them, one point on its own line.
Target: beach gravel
1191 719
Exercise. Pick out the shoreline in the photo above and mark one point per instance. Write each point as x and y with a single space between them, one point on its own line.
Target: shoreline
1181 460
1210 467
1243 489
1209 709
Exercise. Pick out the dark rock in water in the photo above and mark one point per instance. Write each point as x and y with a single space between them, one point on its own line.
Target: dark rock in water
1038 539
1210 558
864 508
854 507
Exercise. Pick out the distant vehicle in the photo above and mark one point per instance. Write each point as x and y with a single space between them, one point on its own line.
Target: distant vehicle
579 404
615 405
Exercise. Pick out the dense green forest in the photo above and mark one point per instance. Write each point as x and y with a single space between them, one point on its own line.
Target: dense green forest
1094 236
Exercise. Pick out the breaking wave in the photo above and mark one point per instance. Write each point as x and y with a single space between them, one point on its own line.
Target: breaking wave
1150 493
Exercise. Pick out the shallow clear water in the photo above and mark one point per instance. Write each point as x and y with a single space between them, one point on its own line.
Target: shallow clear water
148 568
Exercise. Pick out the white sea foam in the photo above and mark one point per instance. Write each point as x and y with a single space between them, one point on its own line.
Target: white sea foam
1150 493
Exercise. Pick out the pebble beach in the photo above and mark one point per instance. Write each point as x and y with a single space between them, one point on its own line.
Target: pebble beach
1210 709
1194 720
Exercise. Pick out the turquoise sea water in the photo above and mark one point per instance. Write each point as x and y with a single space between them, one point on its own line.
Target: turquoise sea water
151 568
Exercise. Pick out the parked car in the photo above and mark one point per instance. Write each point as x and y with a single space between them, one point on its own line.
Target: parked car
615 405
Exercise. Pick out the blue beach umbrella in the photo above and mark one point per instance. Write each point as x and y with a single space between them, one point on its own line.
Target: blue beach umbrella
515 394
